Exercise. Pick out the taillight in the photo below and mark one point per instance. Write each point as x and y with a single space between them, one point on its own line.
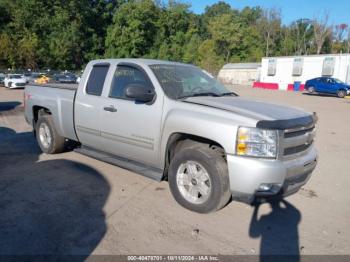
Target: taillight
25 98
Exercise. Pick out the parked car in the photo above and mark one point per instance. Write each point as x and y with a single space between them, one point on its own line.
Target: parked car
42 79
32 76
65 78
2 78
14 81
327 85
78 79
28 77
172 121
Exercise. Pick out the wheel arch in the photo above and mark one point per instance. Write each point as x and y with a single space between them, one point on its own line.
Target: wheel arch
177 138
37 112
341 89
40 110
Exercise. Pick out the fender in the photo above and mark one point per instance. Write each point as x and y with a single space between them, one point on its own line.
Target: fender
211 126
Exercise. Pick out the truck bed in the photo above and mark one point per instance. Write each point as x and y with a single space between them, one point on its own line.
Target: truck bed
57 98
57 85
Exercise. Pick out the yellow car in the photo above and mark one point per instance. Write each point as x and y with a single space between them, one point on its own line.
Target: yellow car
43 79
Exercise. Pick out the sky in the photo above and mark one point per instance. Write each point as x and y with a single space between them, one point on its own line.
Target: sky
291 9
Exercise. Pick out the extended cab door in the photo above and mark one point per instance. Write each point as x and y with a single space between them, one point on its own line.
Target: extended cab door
88 105
131 129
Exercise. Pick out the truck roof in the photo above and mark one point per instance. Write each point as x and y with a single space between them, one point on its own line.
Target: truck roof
140 61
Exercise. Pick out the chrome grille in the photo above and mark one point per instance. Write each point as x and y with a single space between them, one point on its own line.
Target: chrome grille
298 133
295 149
297 140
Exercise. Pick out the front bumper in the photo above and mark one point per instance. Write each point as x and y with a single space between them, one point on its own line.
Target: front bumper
285 177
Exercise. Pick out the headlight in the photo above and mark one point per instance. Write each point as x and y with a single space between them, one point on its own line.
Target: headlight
256 142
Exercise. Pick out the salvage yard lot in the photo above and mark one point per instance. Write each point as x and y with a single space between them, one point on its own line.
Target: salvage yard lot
72 204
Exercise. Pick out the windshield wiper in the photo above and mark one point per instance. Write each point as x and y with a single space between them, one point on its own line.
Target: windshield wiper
229 94
200 94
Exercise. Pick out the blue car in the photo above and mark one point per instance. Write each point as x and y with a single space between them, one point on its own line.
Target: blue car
327 85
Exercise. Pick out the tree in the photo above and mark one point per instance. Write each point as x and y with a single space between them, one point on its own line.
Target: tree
99 18
340 31
67 34
191 54
270 23
250 16
5 17
7 51
208 59
301 31
217 9
176 29
347 40
289 45
321 31
133 29
338 43
226 33
252 45
27 51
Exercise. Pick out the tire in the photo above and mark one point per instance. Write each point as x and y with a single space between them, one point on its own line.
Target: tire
311 90
204 159
341 93
50 142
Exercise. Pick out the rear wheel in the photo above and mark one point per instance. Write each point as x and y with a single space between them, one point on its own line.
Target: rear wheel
48 139
311 89
198 178
341 93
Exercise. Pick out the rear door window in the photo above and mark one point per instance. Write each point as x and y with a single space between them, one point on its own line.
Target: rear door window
97 79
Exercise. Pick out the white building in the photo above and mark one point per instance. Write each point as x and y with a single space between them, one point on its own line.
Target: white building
282 72
240 73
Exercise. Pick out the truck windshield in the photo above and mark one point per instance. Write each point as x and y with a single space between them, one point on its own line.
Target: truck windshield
182 81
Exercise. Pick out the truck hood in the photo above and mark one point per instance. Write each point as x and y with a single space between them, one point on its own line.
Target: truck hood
257 110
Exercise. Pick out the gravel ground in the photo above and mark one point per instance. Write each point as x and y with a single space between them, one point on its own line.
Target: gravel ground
73 204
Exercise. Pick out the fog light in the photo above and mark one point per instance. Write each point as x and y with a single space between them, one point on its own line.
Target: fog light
265 187
269 189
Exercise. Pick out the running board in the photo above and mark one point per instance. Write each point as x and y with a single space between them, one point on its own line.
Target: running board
150 172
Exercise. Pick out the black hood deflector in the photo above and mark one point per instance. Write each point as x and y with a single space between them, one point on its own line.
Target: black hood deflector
305 121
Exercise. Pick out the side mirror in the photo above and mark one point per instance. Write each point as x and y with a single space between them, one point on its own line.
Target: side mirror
140 93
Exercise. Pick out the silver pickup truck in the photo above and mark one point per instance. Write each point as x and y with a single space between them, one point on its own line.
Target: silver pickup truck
173 121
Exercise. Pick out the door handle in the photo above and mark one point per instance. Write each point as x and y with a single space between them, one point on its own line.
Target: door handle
110 109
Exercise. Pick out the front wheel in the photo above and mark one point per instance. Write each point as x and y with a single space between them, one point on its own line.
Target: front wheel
341 93
198 178
48 139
